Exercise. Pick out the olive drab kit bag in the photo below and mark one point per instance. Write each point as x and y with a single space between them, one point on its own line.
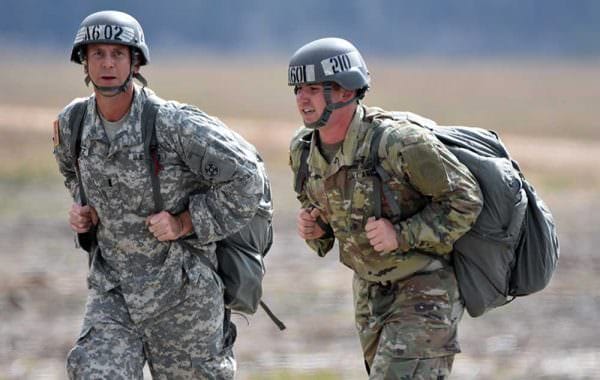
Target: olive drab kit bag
512 249
240 256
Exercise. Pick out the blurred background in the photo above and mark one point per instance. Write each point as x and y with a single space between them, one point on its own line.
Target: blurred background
527 69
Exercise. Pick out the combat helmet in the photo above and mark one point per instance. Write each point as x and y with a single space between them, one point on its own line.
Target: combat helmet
112 27
326 61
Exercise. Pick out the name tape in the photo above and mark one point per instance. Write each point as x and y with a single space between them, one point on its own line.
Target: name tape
116 33
301 74
341 63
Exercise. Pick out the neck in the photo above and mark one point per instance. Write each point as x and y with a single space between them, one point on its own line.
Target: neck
336 128
113 108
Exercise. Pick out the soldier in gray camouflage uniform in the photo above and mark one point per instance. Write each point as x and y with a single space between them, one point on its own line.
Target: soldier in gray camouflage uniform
151 299
407 304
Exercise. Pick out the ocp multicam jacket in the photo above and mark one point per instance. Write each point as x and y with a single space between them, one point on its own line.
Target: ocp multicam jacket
438 196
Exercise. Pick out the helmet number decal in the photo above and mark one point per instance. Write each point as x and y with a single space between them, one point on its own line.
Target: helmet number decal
340 63
104 33
301 74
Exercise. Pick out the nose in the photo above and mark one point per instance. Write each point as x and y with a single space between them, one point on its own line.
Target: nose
301 93
108 61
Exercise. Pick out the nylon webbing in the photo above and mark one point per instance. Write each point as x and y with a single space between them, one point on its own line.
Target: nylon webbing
76 121
380 186
149 112
302 174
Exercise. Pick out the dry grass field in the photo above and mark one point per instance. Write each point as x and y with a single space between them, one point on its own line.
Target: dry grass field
545 112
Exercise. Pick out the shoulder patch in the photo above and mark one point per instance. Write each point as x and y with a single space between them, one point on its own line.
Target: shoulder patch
56 133
218 170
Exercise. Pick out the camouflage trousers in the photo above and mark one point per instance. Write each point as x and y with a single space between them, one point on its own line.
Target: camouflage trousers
408 328
184 342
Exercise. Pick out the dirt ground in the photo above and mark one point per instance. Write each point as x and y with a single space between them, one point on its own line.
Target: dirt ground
549 335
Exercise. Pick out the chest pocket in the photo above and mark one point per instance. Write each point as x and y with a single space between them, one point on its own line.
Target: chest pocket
315 190
97 179
134 180
365 188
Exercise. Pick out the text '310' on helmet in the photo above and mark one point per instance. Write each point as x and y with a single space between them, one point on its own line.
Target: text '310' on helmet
110 27
329 60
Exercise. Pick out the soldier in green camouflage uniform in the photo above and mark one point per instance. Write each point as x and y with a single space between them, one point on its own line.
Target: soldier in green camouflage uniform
407 304
151 299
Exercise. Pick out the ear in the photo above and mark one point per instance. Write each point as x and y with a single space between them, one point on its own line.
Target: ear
348 94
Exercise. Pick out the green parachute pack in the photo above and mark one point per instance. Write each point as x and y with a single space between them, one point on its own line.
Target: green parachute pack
240 256
512 249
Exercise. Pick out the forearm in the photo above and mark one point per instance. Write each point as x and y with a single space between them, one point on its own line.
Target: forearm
225 209
440 223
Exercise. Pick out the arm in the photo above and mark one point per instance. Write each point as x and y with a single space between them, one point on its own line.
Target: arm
454 194
222 161
309 219
81 218
62 154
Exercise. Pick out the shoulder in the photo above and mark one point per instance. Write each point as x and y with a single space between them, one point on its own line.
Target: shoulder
405 129
68 112
173 114
299 143
301 136
62 125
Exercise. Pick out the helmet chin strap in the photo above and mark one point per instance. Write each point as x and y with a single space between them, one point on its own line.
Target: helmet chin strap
110 91
329 108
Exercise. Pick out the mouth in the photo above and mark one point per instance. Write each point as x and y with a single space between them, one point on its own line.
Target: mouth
307 111
108 78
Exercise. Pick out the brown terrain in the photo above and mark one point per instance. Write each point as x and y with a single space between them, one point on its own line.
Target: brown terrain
544 112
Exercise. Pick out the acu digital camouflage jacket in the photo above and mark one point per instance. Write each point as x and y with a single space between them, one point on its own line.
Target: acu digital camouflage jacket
205 168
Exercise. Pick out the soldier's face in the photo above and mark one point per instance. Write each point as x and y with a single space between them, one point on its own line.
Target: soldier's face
310 101
108 64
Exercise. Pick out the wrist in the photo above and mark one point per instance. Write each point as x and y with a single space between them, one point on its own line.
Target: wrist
185 224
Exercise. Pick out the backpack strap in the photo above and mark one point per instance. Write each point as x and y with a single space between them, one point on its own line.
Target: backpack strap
86 240
149 113
380 186
302 173
76 118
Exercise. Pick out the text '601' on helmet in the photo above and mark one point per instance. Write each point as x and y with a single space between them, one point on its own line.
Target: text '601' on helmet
329 60
110 27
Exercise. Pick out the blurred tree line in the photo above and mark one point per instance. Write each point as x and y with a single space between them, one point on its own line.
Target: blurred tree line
383 27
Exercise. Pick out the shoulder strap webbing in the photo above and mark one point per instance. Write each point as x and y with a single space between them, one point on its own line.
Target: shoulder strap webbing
380 186
86 240
76 119
302 173
149 112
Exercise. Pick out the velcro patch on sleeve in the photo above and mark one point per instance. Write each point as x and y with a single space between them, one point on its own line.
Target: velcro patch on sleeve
55 133
218 170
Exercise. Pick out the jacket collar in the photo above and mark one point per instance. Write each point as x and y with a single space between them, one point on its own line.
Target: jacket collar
346 156
130 133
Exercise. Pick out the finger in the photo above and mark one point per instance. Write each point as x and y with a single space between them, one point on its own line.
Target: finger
371 225
372 234
315 213
79 228
306 223
94 216
75 208
306 216
155 229
374 242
